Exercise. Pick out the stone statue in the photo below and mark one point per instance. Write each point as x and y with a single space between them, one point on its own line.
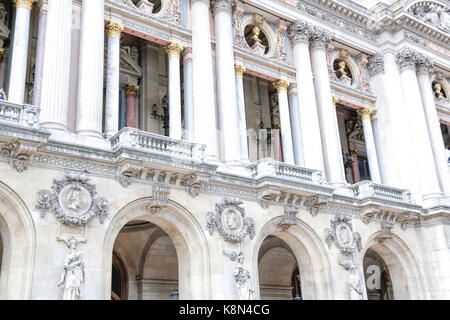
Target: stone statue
72 277
444 18
432 15
438 91
243 283
356 287
341 73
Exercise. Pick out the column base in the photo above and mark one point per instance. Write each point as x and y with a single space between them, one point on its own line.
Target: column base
433 200
342 189
110 134
54 126
91 134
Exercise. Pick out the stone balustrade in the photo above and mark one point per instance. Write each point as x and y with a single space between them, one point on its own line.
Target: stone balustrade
366 189
270 167
150 143
17 114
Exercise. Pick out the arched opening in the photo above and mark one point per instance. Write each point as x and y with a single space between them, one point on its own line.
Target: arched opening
378 279
151 259
284 256
164 254
277 267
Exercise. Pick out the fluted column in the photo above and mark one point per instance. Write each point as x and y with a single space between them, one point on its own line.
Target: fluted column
371 150
295 125
174 52
299 33
226 82
242 122
424 66
188 95
131 92
113 32
40 47
20 51
429 184
90 78
54 100
285 122
331 144
203 81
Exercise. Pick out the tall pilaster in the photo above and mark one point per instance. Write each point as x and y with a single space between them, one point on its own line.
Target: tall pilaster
188 95
295 125
331 144
424 66
203 80
40 47
54 100
20 51
371 150
90 80
242 121
174 52
226 82
113 32
285 122
428 181
131 92
299 33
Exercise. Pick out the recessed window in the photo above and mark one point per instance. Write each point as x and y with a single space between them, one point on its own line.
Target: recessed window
256 39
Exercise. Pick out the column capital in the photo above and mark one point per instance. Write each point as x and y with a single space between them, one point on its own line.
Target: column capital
406 58
282 85
335 101
424 64
187 54
174 49
131 90
365 113
2 53
240 70
219 5
114 29
375 64
24 3
319 38
354 153
43 7
300 31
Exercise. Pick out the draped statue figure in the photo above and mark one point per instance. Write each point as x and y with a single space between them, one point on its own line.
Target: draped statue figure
72 277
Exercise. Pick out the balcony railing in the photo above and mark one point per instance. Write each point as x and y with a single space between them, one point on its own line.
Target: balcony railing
24 115
270 167
151 143
366 189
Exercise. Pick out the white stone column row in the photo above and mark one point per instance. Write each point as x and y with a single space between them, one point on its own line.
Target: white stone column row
20 51
371 149
242 119
188 95
40 48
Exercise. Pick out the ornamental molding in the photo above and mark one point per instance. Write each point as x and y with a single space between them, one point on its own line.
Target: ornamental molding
433 13
238 12
375 64
194 182
289 217
18 153
343 236
230 221
218 5
128 171
73 200
160 199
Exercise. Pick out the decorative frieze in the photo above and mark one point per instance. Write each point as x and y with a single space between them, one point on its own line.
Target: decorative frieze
230 221
73 200
160 199
290 216
19 153
375 64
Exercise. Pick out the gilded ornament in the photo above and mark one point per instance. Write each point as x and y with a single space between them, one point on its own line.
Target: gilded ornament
114 29
131 90
240 70
24 3
365 113
281 85
174 49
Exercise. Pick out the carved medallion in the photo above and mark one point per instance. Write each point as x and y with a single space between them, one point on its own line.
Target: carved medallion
342 234
230 220
72 200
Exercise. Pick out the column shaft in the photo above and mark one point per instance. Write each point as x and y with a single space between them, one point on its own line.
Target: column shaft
295 126
131 92
434 129
226 82
203 81
39 66
114 31
188 96
90 81
331 143
54 100
285 122
20 52
174 50
370 145
242 120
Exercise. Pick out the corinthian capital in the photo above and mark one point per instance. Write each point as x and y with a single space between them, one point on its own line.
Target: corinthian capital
407 58
114 29
319 38
375 64
299 31
219 5
424 64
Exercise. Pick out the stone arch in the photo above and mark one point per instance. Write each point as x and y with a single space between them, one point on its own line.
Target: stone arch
19 240
266 29
186 235
305 244
401 264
